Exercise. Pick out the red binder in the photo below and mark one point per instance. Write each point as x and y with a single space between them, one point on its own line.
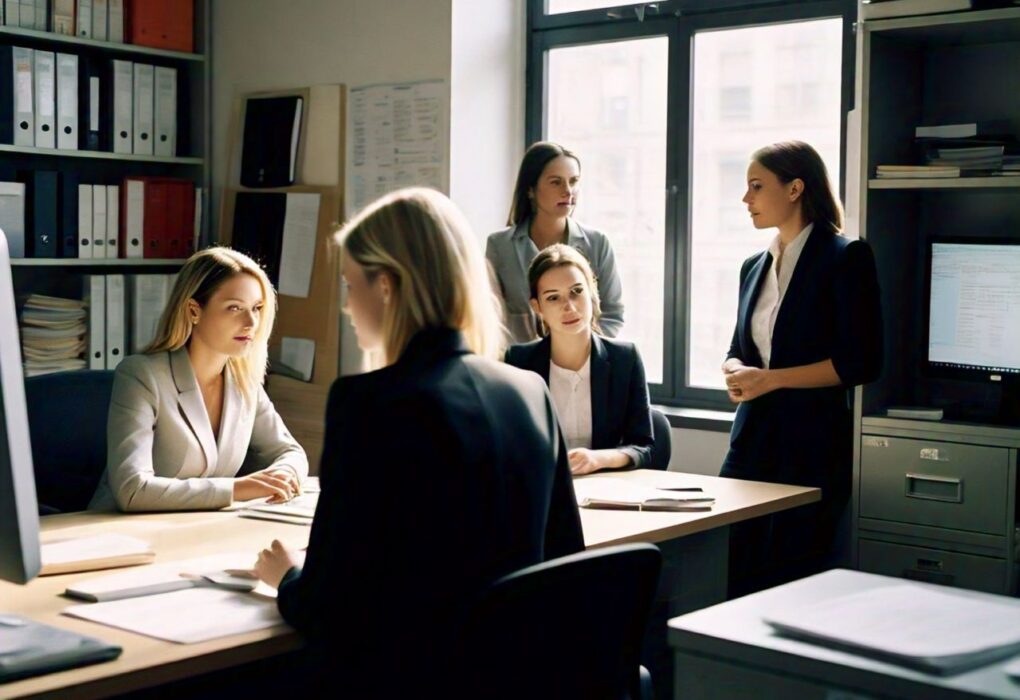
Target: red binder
181 219
154 232
162 24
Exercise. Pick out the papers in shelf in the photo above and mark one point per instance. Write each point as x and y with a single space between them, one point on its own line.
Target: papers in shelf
618 494
910 625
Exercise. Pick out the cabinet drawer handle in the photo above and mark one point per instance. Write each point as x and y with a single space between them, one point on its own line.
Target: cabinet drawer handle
927 487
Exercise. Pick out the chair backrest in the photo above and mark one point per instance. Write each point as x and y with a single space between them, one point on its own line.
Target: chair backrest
67 421
663 449
569 628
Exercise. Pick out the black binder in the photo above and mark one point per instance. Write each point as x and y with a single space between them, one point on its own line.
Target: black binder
272 129
32 649
68 230
6 94
95 103
258 229
42 214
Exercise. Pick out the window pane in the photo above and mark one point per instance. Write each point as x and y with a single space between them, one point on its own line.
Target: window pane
555 7
751 87
607 103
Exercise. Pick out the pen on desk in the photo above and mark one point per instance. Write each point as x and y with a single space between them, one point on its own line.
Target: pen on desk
679 488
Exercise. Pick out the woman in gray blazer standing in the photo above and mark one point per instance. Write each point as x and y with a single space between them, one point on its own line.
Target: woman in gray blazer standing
545 195
187 412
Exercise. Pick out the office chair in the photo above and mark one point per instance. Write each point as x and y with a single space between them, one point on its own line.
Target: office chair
663 448
67 421
567 628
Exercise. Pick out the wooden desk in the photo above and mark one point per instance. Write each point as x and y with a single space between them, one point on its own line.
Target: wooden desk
150 662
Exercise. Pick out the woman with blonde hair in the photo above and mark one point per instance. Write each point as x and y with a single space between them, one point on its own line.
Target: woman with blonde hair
188 410
597 384
442 470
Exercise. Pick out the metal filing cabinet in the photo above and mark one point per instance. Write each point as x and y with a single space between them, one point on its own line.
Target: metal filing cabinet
937 502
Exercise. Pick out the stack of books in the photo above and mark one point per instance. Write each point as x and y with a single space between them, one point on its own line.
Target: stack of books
974 148
915 171
53 334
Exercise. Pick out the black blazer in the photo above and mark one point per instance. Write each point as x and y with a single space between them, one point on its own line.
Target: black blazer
831 309
620 414
439 474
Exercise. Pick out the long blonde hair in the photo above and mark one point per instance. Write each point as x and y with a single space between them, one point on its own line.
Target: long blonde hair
422 240
202 274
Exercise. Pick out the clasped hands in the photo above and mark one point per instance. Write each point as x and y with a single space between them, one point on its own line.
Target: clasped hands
745 383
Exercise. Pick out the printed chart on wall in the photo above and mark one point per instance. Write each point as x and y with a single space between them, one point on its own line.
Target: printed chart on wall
397 136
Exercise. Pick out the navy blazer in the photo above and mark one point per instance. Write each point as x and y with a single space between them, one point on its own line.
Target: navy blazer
831 310
620 412
440 473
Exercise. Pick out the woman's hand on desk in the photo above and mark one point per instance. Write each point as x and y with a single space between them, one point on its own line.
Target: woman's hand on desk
278 484
746 383
276 561
585 461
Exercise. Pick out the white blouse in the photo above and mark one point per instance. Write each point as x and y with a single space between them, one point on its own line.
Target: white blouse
571 395
773 289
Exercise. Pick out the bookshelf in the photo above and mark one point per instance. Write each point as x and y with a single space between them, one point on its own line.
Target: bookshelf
65 277
933 500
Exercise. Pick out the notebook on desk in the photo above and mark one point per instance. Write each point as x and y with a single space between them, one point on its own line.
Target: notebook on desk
29 648
616 494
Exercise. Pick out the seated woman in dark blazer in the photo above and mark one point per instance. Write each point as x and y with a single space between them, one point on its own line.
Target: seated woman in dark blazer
597 384
809 328
441 471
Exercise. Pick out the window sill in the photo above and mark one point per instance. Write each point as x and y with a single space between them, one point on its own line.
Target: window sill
697 418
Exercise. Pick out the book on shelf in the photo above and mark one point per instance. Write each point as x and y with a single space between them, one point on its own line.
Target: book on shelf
916 171
609 493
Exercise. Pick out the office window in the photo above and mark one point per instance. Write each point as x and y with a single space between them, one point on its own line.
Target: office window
555 7
607 103
718 243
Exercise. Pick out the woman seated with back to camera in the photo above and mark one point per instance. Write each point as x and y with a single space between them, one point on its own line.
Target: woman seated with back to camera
597 384
187 412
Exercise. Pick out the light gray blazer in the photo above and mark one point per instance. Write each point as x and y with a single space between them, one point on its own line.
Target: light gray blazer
161 451
510 253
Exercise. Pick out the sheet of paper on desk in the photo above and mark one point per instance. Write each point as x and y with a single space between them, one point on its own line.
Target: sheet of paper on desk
298 252
186 617
302 506
913 625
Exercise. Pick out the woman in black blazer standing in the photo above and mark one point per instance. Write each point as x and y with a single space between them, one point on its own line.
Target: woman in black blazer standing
442 470
597 384
809 329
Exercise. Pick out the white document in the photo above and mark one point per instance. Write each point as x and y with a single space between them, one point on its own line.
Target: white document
92 547
63 17
186 617
299 355
99 32
123 77
134 218
84 221
113 221
165 111
115 21
45 99
95 290
24 101
12 216
302 506
26 14
67 101
116 318
297 256
606 491
83 24
142 111
11 13
149 294
915 625
98 221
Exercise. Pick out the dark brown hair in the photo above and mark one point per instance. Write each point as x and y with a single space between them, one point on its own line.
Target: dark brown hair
790 160
532 165
561 255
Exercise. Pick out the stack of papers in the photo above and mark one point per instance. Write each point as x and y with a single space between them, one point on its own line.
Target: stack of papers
299 510
911 625
95 552
53 334
619 494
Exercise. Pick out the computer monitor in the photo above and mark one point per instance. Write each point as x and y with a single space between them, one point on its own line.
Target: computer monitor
974 310
19 511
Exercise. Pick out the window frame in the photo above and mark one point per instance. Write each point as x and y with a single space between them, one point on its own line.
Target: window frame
679 21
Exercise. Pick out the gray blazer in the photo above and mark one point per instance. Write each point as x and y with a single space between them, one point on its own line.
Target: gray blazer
510 253
161 451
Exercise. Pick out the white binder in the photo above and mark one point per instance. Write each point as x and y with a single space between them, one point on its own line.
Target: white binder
11 13
99 20
26 14
63 17
115 320
149 294
115 21
98 221
45 99
95 296
67 101
123 76
112 221
41 11
84 221
83 21
142 122
24 97
134 218
166 112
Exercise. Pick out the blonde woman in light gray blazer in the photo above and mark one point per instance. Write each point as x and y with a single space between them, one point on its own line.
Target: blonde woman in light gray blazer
545 194
186 413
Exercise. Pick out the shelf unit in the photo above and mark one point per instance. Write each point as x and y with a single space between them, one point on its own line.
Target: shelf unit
96 262
932 500
98 155
32 35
